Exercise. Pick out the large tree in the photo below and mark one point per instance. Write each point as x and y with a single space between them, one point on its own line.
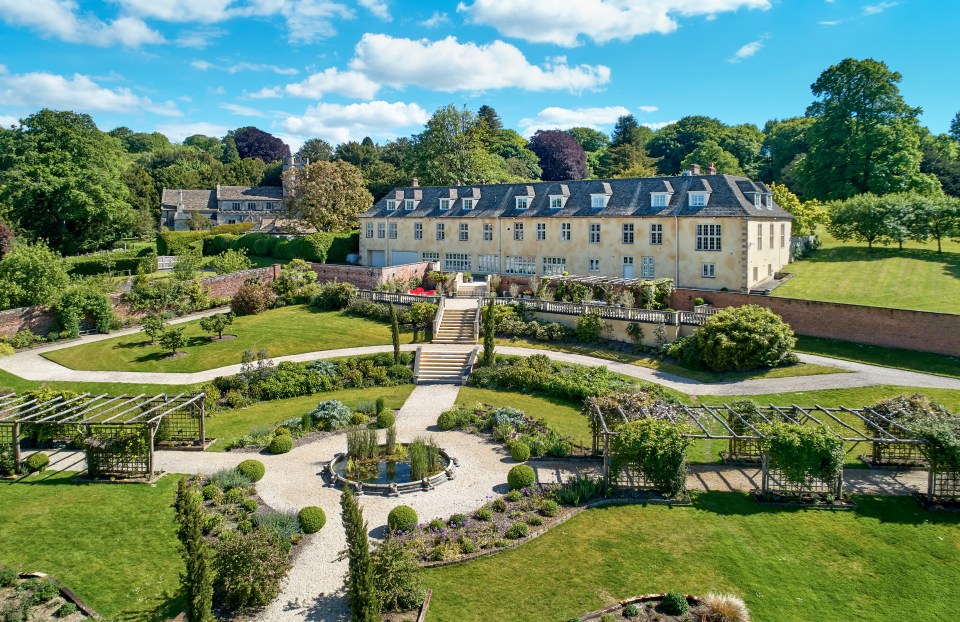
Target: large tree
674 142
316 149
783 142
451 150
710 152
589 138
864 137
806 214
328 195
626 155
864 218
31 274
941 157
255 143
561 156
210 144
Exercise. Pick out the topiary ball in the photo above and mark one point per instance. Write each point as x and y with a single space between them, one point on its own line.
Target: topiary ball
521 476
281 431
674 604
312 519
281 444
520 451
402 518
252 469
37 462
447 420
386 419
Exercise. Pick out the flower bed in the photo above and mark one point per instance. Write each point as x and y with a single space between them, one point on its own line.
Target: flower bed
670 607
509 425
35 597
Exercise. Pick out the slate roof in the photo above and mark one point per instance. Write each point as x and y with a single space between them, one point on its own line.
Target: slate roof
246 193
729 196
192 199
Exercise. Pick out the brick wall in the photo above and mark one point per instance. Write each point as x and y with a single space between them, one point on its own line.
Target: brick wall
366 277
39 320
893 328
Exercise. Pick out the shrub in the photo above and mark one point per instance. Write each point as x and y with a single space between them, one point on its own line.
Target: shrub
333 296
331 414
517 531
37 462
312 519
236 495
741 338
282 431
607 617
534 521
386 419
521 476
687 351
250 505
6 349
210 491
231 261
484 514
281 444
46 589
66 610
519 451
448 420
402 518
252 470
466 545
591 327
513 496
725 608
457 520
249 568
251 299
285 525
631 611
803 452
499 504
549 508
396 576
228 479
8 576
674 604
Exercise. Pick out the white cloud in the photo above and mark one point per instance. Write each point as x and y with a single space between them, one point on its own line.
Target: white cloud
437 19
562 23
747 50
198 39
378 8
59 18
874 9
346 83
338 123
647 108
243 111
659 125
833 22
179 131
555 118
205 11
79 92
7 120
203 65
447 66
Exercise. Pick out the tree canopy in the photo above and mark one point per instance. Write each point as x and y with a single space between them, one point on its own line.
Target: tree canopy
328 195
561 156
255 143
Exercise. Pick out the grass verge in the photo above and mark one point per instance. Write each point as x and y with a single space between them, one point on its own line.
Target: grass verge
560 415
923 362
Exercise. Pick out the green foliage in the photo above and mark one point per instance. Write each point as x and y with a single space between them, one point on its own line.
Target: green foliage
517 531
31 274
802 452
285 525
742 338
711 151
941 431
521 476
312 519
172 338
251 299
489 335
806 215
281 444
539 373
231 261
81 300
296 284
331 415
395 333
333 296
386 419
249 568
687 351
396 576
591 327
196 581
37 462
6 349
580 489
186 267
520 451
328 195
217 323
402 518
228 479
657 449
631 611
549 508
362 594
674 604
253 470
66 610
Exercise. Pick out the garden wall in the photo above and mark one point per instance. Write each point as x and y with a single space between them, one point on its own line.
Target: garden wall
618 330
367 277
893 328
38 320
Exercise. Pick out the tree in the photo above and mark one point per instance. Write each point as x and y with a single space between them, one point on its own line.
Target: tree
6 239
806 215
255 143
361 591
217 323
395 334
862 218
186 267
328 195
955 127
450 150
489 335
489 119
421 316
209 144
142 191
316 149
626 156
230 152
864 138
396 575
296 283
561 156
31 274
172 339
153 325
196 581
589 138
709 152
231 261
198 222
941 158
783 142
360 154
742 338
934 218
674 142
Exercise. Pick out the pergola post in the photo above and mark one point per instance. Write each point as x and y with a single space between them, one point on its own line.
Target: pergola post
203 426
15 442
606 458
151 430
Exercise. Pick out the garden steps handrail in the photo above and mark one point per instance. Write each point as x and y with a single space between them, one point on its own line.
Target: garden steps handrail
394 297
630 314
438 318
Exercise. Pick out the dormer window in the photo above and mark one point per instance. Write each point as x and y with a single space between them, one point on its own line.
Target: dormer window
698 199
523 202
769 201
468 204
658 199
409 204
444 204
391 205
598 201
756 200
556 201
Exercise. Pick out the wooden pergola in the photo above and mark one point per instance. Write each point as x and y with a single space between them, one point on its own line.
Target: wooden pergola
118 433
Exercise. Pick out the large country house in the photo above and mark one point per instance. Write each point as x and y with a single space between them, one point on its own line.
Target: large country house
704 231
226 205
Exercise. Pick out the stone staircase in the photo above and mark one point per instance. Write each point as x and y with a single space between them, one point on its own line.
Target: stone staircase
448 367
456 326
473 290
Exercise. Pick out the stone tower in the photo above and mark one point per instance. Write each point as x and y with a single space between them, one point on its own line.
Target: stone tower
290 163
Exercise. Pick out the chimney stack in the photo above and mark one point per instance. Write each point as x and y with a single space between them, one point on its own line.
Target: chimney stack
694 169
414 182
712 169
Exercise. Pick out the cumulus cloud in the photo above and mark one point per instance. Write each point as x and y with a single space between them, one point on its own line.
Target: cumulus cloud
659 125
59 18
338 122
378 8
647 108
448 65
554 118
205 11
346 83
307 20
78 92
437 19
203 65
179 131
563 23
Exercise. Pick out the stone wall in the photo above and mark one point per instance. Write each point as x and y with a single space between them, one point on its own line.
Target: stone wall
893 328
367 277
38 320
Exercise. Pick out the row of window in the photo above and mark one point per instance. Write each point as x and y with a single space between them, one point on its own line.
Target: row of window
783 236
558 201
253 206
656 232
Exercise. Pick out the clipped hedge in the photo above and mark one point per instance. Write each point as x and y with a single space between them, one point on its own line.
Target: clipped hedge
402 518
521 476
252 470
316 247
312 519
281 444
37 462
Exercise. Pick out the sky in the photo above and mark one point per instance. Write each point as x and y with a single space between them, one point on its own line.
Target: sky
346 69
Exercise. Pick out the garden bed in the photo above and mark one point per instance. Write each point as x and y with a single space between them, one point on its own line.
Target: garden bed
35 597
650 608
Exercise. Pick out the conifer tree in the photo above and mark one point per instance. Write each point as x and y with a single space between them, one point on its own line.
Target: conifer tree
395 334
361 592
489 328
197 579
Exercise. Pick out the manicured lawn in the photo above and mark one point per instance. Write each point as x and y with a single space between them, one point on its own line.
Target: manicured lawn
115 545
231 424
288 330
16 383
640 360
923 362
916 278
561 415
887 560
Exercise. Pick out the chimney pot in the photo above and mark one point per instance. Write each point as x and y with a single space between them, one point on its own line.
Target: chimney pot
712 169
414 182
694 169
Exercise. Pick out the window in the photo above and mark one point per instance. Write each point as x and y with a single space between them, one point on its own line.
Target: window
444 204
756 273
418 231
598 201
594 265
769 269
759 237
756 199
656 234
521 265
468 203
456 262
698 199
771 236
627 237
708 237
430 256
595 233
709 271
235 206
541 231
488 264
646 267
409 204
464 232
518 231
658 199
783 235
523 202
554 266
441 231
391 205
369 229
487 232
565 232
251 206
556 202
393 231
381 230
769 201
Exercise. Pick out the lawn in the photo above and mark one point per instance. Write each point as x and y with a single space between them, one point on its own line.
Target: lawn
288 330
115 546
886 560
16 383
561 415
230 424
923 362
917 278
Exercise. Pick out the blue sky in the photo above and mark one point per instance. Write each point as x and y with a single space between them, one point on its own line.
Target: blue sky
345 69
